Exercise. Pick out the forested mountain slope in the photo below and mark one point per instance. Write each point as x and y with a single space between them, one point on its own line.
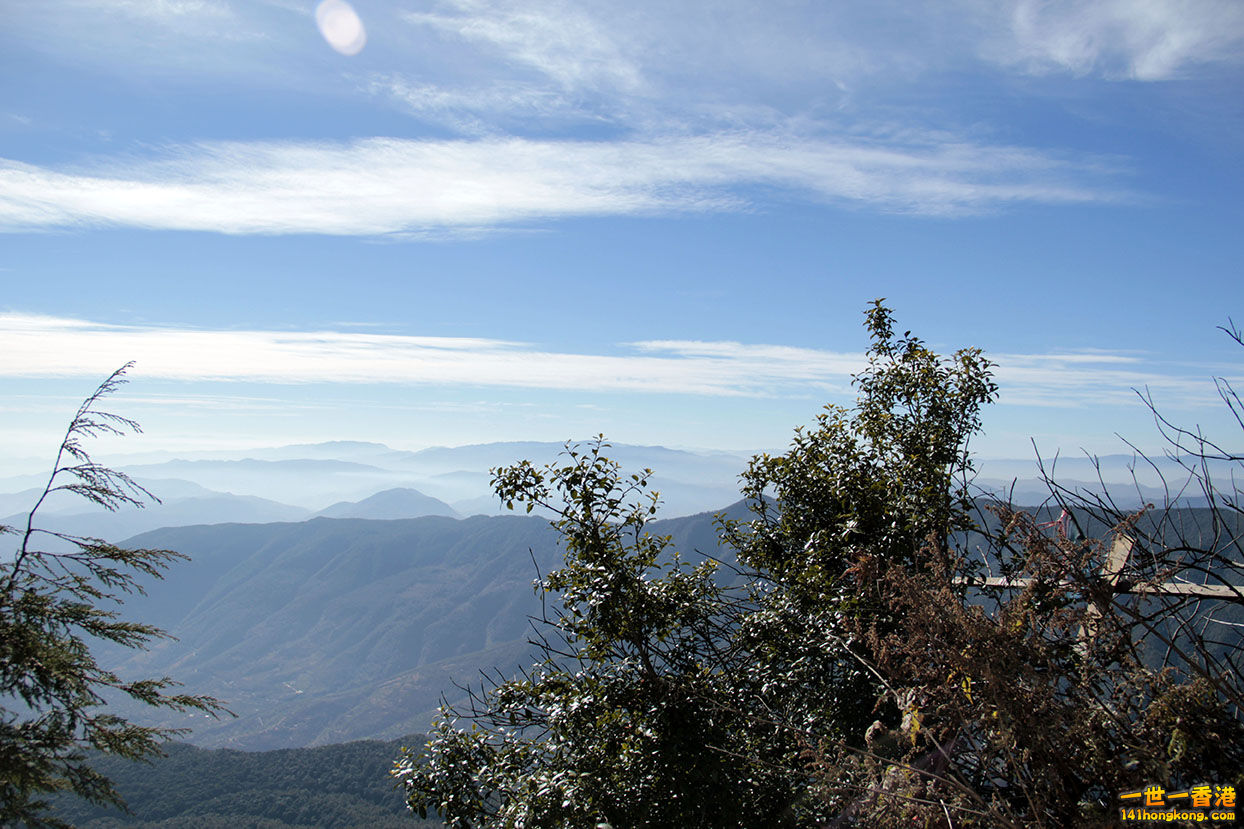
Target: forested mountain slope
331 630
338 629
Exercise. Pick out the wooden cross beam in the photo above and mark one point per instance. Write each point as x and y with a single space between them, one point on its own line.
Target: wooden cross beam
1112 571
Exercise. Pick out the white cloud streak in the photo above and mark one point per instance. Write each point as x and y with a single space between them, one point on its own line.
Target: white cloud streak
38 346
41 347
1095 378
385 185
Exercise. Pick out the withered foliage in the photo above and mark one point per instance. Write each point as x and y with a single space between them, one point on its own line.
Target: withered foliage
1028 705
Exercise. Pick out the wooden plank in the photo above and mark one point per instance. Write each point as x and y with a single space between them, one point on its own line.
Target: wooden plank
1112 572
1208 591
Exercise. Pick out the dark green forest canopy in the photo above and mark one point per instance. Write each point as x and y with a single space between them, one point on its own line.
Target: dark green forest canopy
344 786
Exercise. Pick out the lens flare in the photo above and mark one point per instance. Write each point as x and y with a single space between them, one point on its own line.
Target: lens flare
340 26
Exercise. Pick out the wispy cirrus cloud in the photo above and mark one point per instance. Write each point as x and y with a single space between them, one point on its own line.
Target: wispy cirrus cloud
474 110
385 186
559 40
160 11
44 346
647 59
1145 40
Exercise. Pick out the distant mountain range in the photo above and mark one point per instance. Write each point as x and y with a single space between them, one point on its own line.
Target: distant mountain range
1129 479
208 508
350 479
296 482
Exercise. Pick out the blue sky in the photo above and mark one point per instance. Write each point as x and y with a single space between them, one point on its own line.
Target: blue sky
450 222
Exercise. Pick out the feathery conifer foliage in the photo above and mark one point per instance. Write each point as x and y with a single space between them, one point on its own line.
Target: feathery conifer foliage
57 593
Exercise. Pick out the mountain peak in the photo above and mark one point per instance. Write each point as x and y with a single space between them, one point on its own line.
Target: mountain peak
399 502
